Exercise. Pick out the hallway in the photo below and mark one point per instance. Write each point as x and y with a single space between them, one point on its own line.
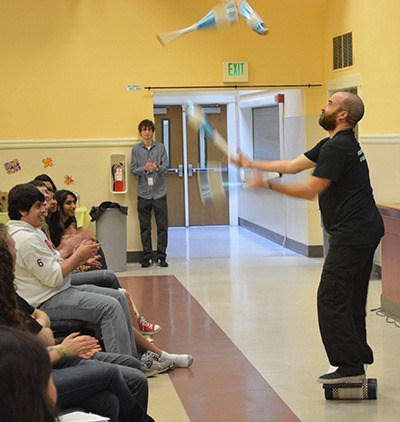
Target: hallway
263 298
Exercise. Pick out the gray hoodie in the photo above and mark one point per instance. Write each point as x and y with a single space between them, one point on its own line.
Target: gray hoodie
38 274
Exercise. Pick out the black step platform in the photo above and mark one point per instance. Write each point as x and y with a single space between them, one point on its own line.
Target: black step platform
367 390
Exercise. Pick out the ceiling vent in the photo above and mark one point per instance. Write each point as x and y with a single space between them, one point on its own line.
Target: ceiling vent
343 51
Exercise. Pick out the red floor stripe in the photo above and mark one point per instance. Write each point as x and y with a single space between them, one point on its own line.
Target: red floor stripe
222 384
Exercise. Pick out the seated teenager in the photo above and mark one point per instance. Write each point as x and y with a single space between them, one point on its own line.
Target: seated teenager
43 277
96 388
47 181
27 391
66 207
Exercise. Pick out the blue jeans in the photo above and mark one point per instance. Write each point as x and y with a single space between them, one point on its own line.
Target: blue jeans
79 381
102 278
104 403
135 380
87 386
105 307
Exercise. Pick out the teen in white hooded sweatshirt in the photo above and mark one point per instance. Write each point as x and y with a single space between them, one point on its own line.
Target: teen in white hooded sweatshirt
43 277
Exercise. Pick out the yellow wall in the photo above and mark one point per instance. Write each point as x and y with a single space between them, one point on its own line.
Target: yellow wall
376 57
66 63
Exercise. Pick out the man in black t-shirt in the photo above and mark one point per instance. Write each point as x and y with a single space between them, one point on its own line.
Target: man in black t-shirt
352 219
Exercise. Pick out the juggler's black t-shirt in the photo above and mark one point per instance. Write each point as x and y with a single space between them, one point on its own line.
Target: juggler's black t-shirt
348 208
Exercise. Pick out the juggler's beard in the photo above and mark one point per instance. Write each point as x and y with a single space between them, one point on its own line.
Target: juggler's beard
328 121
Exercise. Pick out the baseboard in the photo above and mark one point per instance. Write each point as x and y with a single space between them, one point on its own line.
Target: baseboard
312 251
132 256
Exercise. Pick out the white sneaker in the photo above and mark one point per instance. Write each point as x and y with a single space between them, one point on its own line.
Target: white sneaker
151 361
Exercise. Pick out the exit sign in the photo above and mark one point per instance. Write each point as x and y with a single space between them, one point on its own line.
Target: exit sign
235 71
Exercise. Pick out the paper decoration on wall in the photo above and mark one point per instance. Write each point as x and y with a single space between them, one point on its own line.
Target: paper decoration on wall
68 180
12 166
48 162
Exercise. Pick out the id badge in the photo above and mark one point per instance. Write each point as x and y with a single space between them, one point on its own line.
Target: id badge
150 181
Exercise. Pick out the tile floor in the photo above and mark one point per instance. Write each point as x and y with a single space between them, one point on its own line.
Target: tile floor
263 298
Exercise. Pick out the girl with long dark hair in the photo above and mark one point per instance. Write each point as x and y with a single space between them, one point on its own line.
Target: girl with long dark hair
27 391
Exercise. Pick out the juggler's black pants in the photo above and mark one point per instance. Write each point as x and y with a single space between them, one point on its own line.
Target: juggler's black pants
342 297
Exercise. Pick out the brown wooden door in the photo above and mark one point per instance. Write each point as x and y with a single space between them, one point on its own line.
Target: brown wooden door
169 132
208 189
206 171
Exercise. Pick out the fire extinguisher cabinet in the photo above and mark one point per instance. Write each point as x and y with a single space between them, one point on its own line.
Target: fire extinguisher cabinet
119 181
111 222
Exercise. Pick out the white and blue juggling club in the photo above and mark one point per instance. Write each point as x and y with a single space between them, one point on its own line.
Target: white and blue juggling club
251 17
220 15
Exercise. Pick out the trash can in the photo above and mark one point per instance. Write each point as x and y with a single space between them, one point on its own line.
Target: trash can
111 219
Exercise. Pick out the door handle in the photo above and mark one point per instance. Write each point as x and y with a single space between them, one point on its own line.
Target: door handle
190 170
180 170
210 170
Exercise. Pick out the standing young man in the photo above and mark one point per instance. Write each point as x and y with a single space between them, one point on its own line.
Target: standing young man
149 162
352 219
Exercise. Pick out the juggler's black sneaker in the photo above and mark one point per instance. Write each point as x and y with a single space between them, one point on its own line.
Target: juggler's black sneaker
338 378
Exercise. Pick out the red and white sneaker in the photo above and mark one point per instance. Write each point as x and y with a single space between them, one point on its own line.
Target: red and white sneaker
147 328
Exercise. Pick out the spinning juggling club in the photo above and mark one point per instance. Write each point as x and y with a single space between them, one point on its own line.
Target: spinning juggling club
197 119
220 15
252 19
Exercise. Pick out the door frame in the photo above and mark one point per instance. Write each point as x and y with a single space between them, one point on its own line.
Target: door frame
210 97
